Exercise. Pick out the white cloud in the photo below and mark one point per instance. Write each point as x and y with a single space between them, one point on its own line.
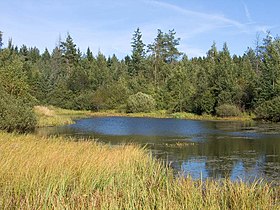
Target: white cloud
206 16
206 22
247 13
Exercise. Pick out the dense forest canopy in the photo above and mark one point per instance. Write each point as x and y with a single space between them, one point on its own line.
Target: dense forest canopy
155 76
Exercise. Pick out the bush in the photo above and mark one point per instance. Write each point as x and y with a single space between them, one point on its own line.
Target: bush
140 102
269 110
15 115
228 110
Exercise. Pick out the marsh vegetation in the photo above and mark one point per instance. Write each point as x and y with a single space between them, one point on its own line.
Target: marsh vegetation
58 173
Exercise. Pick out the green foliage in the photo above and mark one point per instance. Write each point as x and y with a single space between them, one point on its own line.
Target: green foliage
180 89
110 96
84 101
205 103
12 77
15 115
138 53
269 110
228 110
165 46
70 79
269 71
16 101
69 51
61 96
140 102
1 43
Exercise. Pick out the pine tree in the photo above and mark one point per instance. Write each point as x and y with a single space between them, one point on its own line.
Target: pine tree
69 52
172 52
46 55
23 51
157 50
163 51
89 55
270 69
138 53
1 40
223 77
180 89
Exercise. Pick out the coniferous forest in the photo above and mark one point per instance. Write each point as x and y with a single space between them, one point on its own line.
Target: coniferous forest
155 76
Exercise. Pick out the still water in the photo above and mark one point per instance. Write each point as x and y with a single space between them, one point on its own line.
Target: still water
201 149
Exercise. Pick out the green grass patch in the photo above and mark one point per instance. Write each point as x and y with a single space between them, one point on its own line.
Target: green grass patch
191 116
177 115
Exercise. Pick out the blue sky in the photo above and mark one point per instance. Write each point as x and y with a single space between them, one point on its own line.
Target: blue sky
108 25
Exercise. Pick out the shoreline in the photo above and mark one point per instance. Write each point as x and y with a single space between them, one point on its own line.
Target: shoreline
177 115
87 174
49 116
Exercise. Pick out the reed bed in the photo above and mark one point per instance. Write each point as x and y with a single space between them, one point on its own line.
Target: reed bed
53 116
177 115
57 173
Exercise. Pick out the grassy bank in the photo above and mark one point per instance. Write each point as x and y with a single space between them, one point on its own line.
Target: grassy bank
54 173
177 115
53 116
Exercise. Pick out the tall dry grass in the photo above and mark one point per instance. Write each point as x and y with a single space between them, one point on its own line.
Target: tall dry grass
54 173
53 116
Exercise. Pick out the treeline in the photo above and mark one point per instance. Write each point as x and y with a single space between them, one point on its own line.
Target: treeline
155 76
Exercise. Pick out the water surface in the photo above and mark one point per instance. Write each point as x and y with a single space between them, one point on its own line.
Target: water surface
202 149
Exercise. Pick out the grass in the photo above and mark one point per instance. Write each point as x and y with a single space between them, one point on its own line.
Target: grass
184 115
178 115
53 116
55 173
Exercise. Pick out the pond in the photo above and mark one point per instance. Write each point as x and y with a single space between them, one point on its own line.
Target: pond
201 149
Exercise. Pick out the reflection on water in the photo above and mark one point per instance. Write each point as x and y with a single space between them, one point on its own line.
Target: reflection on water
201 149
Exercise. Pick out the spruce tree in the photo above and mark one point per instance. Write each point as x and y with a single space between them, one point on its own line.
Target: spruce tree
270 69
69 52
1 40
89 55
138 53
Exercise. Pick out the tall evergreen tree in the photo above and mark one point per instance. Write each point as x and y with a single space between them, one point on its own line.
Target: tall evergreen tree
172 52
46 55
69 52
163 51
157 50
270 68
223 77
180 89
89 55
1 39
138 53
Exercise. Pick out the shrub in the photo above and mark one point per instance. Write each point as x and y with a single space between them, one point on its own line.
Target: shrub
269 110
140 102
228 110
15 115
